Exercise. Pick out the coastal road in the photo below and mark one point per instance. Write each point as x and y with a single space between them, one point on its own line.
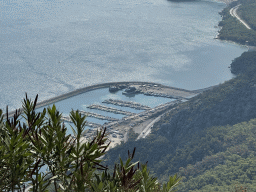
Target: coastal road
233 13
147 129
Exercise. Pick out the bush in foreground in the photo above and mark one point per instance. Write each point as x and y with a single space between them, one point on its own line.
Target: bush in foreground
71 165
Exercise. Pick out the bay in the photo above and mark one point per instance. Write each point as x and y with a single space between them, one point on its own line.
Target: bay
50 47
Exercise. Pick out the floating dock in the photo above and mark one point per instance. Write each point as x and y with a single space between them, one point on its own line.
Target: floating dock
66 119
130 104
110 109
97 116
151 112
159 95
89 124
94 115
93 125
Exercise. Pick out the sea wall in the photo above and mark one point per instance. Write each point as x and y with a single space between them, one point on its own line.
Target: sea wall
100 86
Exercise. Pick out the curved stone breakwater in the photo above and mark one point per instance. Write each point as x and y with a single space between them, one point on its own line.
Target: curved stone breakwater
110 109
130 104
153 89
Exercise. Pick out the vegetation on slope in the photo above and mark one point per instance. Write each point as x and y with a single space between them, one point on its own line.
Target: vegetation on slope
195 132
244 64
247 11
232 29
235 165
71 165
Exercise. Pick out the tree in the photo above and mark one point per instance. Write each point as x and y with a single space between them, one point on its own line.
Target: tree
71 165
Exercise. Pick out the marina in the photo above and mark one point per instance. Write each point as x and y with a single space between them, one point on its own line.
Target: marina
120 112
110 109
145 88
138 122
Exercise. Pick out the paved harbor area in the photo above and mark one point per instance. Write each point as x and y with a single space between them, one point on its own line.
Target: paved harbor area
141 123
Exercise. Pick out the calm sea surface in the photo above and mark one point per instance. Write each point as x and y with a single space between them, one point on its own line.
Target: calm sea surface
52 47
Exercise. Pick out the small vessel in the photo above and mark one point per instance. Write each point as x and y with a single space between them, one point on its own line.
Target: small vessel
113 89
130 91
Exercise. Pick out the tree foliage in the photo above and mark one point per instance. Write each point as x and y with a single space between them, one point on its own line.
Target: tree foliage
232 29
71 164
247 12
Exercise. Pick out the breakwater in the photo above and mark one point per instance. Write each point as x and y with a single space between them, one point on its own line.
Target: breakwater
107 85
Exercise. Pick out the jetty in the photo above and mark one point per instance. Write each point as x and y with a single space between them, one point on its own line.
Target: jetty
151 93
66 119
110 109
93 125
89 124
151 112
97 116
130 104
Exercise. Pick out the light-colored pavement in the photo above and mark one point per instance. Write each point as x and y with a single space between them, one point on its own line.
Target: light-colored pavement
147 130
233 13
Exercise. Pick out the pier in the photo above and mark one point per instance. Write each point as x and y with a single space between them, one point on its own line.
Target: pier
110 109
89 124
161 95
151 112
66 119
94 115
93 125
97 116
130 104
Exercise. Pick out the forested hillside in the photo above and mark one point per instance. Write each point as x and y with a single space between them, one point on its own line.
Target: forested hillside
232 29
210 133
244 64
233 165
247 11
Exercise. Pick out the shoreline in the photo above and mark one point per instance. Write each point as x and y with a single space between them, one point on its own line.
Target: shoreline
217 37
140 124
105 85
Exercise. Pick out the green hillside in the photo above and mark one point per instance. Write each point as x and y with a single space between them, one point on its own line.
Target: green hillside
247 11
232 29
210 132
235 165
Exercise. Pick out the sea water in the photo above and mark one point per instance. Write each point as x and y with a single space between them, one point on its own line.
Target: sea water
50 47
